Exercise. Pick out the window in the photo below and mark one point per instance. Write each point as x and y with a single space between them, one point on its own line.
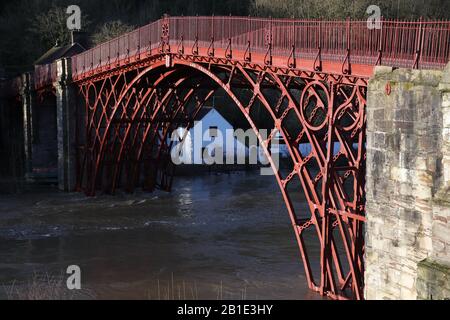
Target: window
213 131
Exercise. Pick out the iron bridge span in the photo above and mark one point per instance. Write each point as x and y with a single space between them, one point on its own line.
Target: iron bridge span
310 79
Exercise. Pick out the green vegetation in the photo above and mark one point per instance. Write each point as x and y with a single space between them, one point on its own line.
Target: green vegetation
28 28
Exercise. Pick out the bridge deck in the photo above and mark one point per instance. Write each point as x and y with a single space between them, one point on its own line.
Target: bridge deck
333 47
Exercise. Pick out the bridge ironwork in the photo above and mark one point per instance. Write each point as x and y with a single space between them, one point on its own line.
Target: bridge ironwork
310 79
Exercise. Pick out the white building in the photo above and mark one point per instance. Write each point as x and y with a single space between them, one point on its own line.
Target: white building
212 140
210 135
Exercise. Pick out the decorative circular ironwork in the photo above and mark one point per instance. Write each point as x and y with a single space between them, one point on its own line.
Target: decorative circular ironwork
91 96
314 105
347 114
123 132
388 88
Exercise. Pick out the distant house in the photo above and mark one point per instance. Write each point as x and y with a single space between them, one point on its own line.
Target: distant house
280 147
58 52
209 136
304 148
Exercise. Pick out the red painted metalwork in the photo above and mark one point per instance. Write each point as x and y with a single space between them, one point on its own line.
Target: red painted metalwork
330 46
124 118
141 86
44 76
322 46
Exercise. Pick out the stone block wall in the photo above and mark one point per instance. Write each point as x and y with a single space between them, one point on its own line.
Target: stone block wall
11 144
66 117
408 178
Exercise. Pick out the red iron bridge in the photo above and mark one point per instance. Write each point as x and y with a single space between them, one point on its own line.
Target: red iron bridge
309 77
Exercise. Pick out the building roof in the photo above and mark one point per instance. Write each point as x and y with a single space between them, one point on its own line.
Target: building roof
203 112
58 52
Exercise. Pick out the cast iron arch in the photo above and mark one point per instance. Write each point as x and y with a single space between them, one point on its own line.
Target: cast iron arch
341 106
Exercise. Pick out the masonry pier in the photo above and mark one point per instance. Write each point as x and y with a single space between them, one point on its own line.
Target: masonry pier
408 184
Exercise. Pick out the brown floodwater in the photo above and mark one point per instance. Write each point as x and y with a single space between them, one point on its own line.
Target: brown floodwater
214 236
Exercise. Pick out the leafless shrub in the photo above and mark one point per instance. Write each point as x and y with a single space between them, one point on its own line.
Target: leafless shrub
44 286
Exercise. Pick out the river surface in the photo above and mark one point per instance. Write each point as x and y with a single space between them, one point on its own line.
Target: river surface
214 236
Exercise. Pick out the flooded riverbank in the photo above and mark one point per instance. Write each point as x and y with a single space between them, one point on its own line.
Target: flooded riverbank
215 236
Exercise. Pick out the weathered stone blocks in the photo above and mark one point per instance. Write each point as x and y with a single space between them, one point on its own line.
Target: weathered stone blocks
407 187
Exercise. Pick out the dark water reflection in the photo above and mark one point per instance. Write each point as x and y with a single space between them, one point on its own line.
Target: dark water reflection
219 235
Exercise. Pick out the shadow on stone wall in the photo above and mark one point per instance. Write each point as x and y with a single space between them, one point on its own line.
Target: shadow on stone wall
11 143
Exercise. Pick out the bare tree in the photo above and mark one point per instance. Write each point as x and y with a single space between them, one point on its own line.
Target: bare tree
110 30
50 27
355 9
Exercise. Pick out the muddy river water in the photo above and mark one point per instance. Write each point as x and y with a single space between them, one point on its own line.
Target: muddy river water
214 236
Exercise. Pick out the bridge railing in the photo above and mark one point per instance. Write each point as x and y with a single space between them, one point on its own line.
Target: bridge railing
412 44
44 75
136 43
